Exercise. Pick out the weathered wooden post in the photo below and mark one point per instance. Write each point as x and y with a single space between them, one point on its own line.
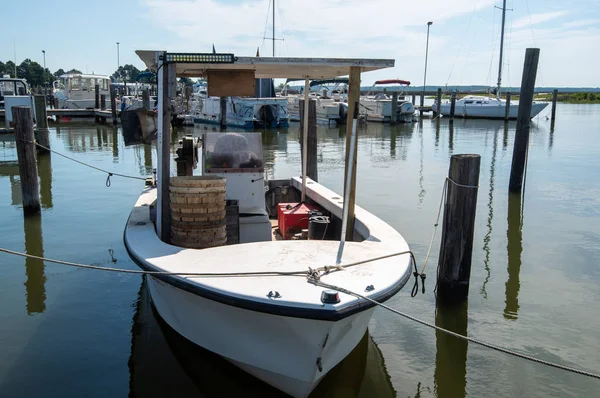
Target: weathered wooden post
452 105
351 123
113 104
28 171
438 101
311 144
394 117
97 100
44 164
223 113
454 266
41 116
553 116
532 56
414 100
145 99
103 101
507 109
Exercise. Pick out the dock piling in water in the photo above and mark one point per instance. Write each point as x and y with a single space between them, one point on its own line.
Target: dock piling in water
507 108
102 101
452 105
146 99
97 100
458 226
41 120
113 104
394 117
553 116
532 56
223 113
28 171
439 102
311 145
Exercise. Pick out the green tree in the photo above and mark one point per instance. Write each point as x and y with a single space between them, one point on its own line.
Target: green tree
75 71
186 81
7 68
126 73
31 71
59 73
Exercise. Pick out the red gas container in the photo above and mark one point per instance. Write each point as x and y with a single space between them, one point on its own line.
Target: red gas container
293 217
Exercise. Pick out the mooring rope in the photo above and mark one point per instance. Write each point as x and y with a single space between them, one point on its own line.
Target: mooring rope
458 335
110 173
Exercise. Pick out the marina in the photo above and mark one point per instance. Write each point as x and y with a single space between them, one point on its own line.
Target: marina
510 258
307 224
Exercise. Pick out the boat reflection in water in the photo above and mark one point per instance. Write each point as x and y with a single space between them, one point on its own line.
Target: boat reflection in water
163 363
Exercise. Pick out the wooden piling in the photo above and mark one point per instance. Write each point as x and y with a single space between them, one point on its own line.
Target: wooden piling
103 101
166 85
353 101
438 102
97 100
223 113
532 56
28 171
454 266
311 145
145 99
113 104
452 105
414 99
507 109
394 116
41 116
553 116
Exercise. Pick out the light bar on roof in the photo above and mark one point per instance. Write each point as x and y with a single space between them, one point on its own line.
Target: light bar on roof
199 58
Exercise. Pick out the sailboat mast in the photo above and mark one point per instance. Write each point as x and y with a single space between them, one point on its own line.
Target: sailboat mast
273 27
501 47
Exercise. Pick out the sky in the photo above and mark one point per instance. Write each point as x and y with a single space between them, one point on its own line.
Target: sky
463 39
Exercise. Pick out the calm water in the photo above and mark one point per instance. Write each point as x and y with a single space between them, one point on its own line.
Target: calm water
535 280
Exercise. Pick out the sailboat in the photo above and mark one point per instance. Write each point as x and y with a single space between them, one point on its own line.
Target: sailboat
487 107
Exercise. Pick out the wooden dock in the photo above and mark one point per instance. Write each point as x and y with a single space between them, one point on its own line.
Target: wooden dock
75 113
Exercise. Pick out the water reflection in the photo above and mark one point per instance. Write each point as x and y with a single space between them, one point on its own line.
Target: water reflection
514 248
451 137
488 236
450 376
162 363
44 163
35 289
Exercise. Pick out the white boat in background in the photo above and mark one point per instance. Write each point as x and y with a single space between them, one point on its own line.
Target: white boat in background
487 107
242 112
284 329
378 107
331 100
484 107
77 90
11 87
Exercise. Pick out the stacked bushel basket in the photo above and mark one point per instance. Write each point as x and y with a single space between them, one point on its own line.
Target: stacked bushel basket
197 211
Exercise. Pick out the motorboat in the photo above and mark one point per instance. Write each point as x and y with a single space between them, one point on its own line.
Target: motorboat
330 96
243 112
378 107
487 107
77 90
255 295
11 87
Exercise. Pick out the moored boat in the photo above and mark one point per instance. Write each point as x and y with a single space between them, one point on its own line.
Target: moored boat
378 107
77 90
257 301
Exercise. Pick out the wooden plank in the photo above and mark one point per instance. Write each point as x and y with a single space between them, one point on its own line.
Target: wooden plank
230 83
41 120
311 142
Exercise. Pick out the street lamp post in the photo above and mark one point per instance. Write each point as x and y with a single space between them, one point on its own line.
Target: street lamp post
45 82
426 53
118 61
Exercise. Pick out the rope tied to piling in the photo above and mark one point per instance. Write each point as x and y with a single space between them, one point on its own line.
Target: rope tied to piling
460 336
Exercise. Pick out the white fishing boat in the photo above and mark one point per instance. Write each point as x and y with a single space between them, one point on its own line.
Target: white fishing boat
378 107
260 303
77 90
331 100
487 107
246 113
11 87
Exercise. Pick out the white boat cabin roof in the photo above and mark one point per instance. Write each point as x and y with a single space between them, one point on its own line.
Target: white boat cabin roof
273 67
84 76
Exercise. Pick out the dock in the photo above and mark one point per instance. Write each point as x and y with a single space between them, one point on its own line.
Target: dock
74 113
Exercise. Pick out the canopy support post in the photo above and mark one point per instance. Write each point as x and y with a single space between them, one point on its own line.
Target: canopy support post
305 139
351 154
166 79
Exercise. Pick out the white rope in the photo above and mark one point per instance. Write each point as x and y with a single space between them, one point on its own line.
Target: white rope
460 336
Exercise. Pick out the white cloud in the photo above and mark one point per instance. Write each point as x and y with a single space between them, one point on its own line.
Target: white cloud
580 23
537 19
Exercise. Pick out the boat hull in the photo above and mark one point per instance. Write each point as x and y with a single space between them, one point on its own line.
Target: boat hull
291 354
495 111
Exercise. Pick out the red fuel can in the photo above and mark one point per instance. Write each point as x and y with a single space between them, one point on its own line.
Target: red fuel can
293 217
